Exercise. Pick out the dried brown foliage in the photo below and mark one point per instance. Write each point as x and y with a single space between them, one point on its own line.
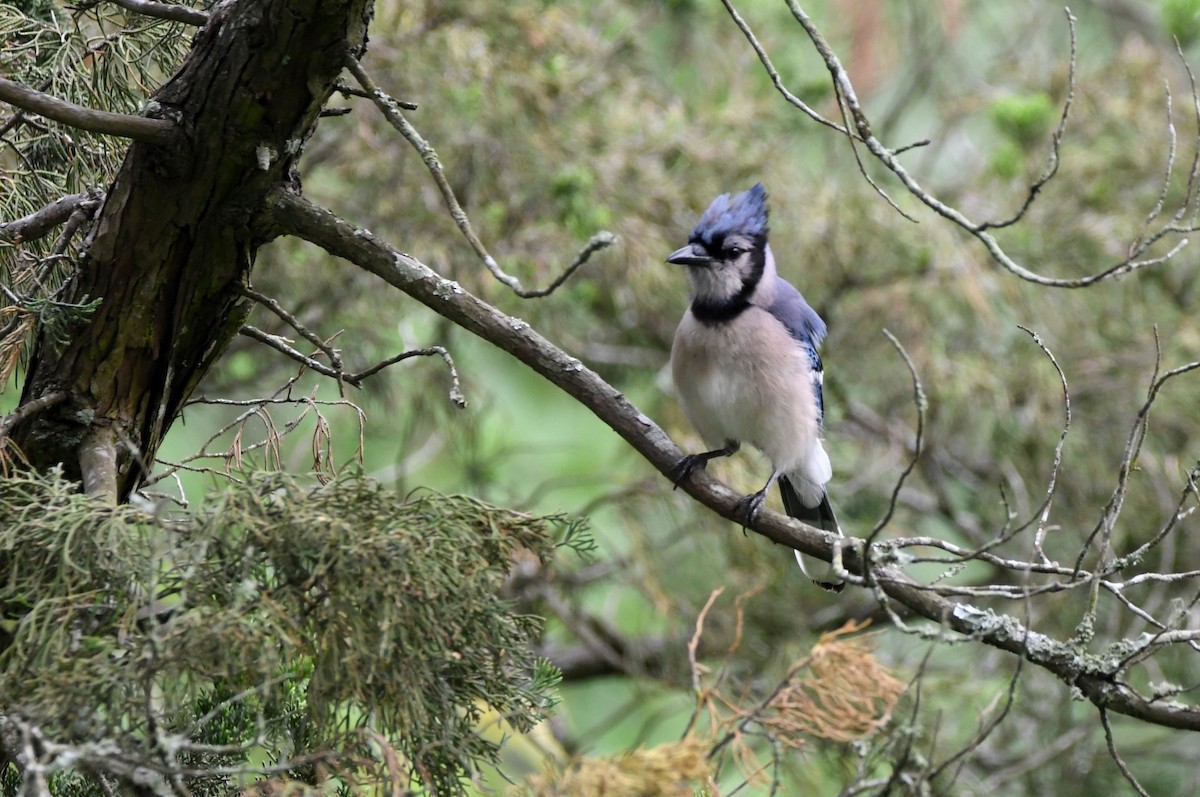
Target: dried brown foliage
676 769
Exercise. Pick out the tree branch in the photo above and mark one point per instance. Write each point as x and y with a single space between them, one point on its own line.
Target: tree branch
30 408
138 128
1092 675
334 356
174 13
39 223
26 410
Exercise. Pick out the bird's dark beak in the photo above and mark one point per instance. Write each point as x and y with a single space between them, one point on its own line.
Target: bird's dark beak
690 255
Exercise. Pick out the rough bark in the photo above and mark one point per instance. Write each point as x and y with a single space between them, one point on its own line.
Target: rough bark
175 238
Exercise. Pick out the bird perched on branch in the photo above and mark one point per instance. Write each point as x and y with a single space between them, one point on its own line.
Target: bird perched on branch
746 367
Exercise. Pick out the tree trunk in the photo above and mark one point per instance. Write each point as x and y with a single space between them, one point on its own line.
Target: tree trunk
176 237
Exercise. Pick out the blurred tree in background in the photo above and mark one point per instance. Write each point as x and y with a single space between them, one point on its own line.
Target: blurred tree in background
359 622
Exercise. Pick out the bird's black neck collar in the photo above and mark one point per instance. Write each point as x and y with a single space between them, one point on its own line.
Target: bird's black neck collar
712 311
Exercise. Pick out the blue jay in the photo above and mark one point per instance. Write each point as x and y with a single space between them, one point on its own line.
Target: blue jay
746 367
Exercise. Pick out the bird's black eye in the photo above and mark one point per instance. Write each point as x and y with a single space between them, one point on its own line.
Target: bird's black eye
735 250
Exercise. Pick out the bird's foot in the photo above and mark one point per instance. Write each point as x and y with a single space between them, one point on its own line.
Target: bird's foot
686 466
749 505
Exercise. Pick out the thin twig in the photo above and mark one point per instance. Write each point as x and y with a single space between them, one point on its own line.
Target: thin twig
1172 144
1052 159
1133 446
921 403
693 645
773 73
1116 757
1052 485
456 394
389 108
356 379
335 358
280 345
863 134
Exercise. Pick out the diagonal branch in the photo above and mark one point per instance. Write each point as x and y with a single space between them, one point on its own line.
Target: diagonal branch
1093 675
335 357
138 128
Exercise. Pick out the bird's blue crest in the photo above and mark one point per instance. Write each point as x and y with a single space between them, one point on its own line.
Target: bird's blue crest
740 214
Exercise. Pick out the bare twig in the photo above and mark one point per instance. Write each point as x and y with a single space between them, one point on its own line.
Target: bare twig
694 664
29 409
456 395
279 344
1052 485
335 357
921 403
1052 159
390 109
1116 757
356 379
862 133
987 728
139 128
271 441
1133 446
346 90
773 73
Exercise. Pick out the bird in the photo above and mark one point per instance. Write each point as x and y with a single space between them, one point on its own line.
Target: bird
746 367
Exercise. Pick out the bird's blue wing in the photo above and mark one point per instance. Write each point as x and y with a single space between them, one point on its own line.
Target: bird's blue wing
806 328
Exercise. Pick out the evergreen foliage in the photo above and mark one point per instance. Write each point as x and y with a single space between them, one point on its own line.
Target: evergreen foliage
283 629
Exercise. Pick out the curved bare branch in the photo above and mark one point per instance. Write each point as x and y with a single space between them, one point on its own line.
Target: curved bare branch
1094 676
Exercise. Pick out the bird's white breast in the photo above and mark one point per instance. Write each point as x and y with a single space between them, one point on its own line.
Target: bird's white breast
747 380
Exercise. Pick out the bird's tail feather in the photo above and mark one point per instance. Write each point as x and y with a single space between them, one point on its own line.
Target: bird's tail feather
823 518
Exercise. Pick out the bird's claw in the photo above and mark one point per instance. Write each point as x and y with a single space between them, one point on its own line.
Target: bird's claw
685 467
749 505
